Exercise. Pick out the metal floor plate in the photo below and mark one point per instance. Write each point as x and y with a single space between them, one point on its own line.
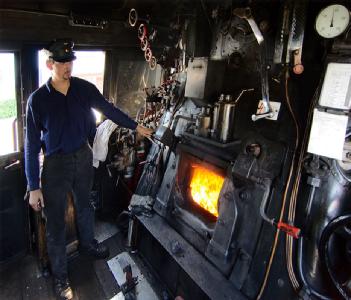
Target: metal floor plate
104 230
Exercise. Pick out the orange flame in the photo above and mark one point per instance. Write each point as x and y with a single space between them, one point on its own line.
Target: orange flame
205 187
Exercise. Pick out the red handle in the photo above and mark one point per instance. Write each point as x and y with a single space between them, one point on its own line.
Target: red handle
290 230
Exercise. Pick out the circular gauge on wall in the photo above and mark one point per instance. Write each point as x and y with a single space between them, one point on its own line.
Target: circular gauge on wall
332 21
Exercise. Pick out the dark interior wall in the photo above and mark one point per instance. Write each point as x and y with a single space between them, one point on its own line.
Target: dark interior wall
14 238
126 75
35 21
29 27
26 31
133 77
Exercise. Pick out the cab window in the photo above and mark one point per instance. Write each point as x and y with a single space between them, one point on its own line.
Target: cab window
8 105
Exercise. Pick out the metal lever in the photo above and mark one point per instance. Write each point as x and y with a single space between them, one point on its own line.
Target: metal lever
17 162
298 67
262 116
296 35
287 228
245 13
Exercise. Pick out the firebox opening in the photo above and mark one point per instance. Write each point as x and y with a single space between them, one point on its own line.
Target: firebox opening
200 182
204 188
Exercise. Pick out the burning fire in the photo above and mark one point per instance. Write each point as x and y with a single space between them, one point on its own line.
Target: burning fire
205 187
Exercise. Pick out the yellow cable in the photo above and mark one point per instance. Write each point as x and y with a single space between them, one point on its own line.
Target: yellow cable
293 201
285 192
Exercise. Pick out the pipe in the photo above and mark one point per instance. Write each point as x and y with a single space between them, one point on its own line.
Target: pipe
241 93
323 249
266 183
132 233
302 276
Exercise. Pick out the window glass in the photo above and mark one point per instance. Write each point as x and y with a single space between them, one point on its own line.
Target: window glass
89 65
8 106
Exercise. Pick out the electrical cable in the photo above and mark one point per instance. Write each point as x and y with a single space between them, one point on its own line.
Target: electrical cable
287 187
292 207
292 202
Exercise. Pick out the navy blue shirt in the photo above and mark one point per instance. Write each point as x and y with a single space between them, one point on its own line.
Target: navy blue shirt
62 124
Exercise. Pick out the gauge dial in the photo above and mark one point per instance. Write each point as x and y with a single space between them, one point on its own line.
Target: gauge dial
332 21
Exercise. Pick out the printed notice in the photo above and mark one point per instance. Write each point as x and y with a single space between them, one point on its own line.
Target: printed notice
327 135
336 89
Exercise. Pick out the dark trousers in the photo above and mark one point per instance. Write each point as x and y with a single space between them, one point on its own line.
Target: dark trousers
64 173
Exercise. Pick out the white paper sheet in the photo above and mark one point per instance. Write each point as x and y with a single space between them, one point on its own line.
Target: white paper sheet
336 89
327 135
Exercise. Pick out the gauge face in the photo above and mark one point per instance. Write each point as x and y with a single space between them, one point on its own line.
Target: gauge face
332 21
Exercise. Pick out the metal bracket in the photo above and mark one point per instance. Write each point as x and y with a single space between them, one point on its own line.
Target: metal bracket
262 116
131 281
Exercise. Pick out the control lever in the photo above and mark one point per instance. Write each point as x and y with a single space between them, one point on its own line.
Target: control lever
245 13
262 116
15 163
287 228
266 109
296 35
298 67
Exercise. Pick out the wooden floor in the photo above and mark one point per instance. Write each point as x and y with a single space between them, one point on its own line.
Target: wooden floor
90 280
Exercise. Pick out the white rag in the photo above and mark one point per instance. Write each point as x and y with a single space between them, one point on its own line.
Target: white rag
100 146
142 201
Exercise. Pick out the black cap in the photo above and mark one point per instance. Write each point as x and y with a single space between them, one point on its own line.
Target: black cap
61 50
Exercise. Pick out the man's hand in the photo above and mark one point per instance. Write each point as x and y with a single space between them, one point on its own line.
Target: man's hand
147 132
36 199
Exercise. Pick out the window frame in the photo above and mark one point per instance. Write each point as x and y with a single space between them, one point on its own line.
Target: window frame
20 105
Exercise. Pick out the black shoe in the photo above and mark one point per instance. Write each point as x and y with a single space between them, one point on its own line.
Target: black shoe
95 251
62 289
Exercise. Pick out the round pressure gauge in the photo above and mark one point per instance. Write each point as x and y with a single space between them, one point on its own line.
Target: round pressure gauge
332 21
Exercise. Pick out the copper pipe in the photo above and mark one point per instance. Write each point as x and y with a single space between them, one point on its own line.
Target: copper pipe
275 243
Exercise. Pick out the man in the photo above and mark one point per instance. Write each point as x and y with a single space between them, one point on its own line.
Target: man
60 121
